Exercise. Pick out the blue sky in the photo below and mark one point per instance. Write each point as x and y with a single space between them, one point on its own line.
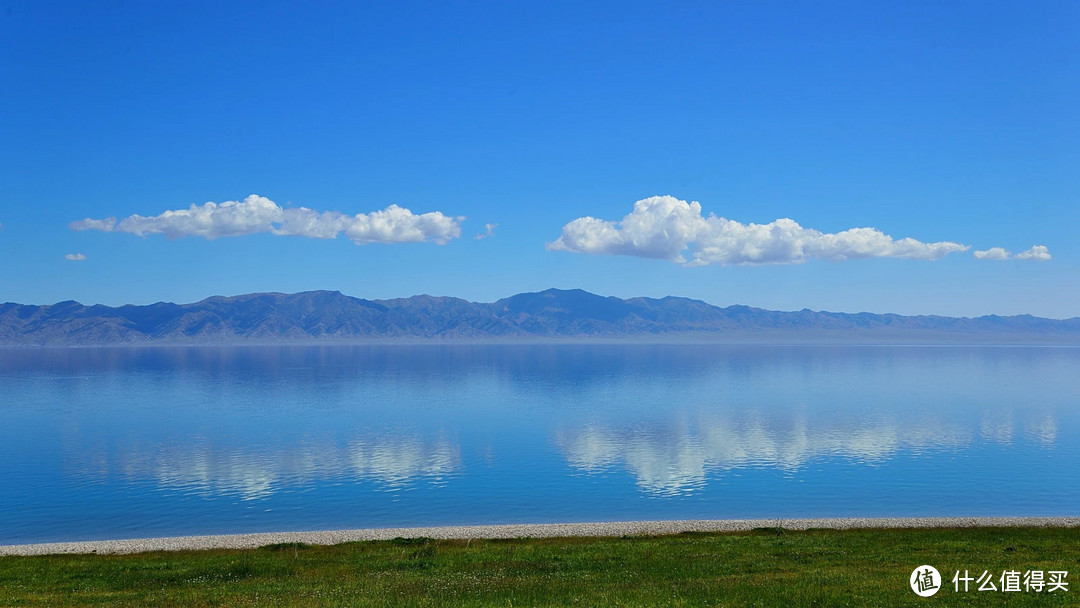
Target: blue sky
954 124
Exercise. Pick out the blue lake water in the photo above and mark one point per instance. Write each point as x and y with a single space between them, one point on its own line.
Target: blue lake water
123 443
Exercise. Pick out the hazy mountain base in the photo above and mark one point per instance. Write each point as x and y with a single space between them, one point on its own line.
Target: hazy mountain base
323 317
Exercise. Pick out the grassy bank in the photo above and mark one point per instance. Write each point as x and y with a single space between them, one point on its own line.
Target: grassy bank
761 568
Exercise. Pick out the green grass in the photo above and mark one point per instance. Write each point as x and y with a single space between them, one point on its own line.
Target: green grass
769 567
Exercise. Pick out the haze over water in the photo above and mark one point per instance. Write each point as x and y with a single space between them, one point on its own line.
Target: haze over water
118 443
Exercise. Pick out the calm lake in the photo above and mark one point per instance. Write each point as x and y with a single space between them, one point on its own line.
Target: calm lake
124 443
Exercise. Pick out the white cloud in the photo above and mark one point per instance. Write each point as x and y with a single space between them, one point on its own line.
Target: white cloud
994 253
75 257
489 230
106 225
1038 252
258 214
665 227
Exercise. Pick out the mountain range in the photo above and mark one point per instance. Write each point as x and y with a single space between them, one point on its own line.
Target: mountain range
329 316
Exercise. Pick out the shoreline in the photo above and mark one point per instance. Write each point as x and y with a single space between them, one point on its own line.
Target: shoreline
504 531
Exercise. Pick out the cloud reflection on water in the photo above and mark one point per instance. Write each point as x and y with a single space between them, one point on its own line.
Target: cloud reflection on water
200 467
677 459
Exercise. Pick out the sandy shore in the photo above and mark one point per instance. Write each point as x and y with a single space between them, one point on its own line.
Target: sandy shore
330 537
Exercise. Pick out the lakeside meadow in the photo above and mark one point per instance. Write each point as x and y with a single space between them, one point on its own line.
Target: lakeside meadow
768 567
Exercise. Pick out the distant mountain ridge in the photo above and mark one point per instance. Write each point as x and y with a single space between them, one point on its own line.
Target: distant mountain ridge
330 316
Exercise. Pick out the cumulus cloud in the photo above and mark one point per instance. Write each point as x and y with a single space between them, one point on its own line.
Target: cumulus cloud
1038 253
666 228
105 225
994 253
258 214
74 257
489 230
